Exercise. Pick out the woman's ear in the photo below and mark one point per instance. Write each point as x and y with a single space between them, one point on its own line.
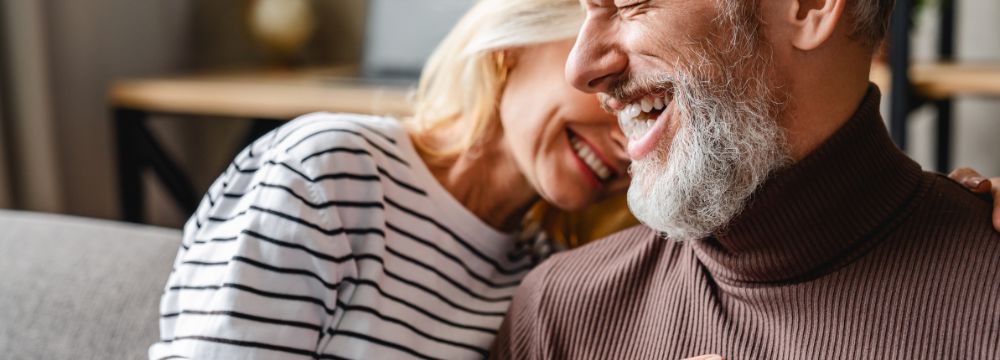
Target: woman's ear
506 58
813 21
505 61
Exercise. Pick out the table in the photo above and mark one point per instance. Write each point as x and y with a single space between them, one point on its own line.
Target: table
265 97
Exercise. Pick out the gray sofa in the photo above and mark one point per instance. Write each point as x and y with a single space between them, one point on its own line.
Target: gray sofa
75 288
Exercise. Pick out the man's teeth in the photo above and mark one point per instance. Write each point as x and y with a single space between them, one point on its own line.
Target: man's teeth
589 158
636 126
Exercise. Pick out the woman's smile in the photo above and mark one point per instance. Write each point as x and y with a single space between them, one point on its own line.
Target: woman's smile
590 160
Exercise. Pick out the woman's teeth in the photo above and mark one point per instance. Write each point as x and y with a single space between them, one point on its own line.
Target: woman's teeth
591 159
636 118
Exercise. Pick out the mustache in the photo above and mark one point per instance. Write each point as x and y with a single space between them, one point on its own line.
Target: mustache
627 87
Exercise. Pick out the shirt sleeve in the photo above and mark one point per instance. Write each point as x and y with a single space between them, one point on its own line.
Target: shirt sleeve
259 269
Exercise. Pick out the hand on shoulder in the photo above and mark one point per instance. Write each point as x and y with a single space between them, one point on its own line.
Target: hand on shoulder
979 184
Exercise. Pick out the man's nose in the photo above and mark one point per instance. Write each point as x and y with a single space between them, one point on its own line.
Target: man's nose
595 60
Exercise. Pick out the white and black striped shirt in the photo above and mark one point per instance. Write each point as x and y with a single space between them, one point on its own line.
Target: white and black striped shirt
329 238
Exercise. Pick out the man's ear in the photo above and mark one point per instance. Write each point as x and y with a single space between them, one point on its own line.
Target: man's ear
814 21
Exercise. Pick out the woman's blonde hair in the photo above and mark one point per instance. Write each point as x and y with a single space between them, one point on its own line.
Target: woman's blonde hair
461 83
462 79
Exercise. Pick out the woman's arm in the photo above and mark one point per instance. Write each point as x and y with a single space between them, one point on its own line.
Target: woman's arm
258 273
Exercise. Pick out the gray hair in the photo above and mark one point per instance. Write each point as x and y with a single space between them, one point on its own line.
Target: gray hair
870 19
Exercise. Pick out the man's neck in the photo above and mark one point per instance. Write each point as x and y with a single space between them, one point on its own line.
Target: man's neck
819 211
820 101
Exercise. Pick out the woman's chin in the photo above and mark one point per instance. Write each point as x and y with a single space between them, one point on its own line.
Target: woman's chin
571 201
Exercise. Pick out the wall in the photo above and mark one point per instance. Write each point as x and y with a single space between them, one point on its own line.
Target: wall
33 179
92 43
6 200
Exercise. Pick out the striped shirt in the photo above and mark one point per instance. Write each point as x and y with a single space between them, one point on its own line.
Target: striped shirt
330 238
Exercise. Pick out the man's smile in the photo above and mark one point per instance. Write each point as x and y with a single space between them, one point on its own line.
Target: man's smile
643 119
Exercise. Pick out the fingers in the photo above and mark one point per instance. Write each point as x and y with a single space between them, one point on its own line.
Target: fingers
981 185
964 172
972 179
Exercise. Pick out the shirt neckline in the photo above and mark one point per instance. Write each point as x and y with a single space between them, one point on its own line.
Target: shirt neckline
452 212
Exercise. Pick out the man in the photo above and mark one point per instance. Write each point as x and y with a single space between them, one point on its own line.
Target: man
780 220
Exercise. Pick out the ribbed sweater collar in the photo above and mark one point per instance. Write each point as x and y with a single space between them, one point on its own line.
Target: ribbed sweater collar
811 217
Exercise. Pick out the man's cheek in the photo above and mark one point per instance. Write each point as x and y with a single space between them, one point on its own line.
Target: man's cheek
638 37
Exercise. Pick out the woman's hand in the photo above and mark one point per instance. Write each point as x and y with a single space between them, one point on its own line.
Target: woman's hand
980 185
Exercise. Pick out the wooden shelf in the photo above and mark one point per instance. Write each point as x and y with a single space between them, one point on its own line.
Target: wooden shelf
944 80
286 94
937 81
261 94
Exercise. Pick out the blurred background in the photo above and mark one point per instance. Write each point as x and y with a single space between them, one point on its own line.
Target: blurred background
201 77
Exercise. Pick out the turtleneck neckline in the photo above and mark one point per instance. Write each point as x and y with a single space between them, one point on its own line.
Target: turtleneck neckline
809 218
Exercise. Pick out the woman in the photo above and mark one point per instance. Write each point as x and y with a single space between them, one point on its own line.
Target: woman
346 236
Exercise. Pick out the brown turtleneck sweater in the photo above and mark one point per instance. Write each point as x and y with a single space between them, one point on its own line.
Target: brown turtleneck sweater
852 253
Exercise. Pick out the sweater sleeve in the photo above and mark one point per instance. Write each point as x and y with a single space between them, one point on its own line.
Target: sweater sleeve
258 273
521 336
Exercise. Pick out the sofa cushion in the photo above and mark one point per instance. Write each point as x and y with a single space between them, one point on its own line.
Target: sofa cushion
75 288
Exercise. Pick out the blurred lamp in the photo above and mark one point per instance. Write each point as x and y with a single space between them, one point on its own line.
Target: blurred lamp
281 27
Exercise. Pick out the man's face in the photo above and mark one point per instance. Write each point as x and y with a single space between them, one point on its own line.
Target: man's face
692 86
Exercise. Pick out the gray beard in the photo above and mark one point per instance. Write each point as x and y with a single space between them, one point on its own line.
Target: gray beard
727 144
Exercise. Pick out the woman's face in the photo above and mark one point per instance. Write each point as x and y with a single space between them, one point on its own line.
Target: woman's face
566 146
